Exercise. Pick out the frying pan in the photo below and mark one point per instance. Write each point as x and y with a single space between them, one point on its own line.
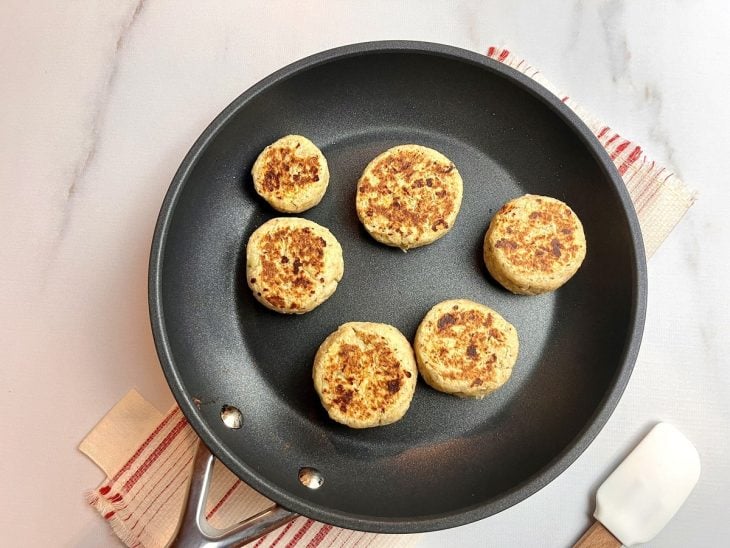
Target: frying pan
449 461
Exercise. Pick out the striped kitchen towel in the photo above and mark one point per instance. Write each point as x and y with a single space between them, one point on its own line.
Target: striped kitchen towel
147 456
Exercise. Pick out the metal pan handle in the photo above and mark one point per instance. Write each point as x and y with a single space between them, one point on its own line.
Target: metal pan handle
194 530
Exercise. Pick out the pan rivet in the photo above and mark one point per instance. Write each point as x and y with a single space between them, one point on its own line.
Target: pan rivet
231 417
311 477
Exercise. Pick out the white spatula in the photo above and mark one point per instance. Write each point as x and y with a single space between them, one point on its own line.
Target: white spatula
640 497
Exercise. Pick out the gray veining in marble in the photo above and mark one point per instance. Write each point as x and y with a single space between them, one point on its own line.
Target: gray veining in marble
87 155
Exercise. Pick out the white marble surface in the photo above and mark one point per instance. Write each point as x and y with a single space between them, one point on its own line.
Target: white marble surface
99 101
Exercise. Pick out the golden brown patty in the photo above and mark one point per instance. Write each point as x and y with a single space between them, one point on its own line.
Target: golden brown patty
291 174
292 264
465 348
409 196
365 374
534 244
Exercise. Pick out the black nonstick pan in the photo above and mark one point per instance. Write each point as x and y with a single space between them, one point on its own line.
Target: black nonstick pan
449 461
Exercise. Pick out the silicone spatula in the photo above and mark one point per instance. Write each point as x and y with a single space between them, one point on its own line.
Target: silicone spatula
640 497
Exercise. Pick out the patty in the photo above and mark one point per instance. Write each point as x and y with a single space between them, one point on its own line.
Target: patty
293 265
465 348
291 174
534 244
409 196
365 374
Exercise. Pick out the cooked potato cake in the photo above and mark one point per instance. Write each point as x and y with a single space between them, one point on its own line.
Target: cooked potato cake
293 265
291 174
534 244
409 196
365 374
465 348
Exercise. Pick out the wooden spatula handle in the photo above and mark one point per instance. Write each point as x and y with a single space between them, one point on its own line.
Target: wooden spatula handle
597 536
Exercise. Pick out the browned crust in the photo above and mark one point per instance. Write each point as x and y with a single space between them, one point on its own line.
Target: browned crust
384 370
297 265
409 196
291 266
475 347
361 376
285 172
465 348
547 238
534 244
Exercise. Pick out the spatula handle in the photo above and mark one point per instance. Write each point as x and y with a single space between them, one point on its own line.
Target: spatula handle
597 536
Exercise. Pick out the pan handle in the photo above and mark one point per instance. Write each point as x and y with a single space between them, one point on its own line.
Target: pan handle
194 530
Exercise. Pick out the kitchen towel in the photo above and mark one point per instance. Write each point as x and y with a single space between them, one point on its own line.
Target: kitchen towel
147 456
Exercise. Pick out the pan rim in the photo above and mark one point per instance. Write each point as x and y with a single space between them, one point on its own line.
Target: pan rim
422 523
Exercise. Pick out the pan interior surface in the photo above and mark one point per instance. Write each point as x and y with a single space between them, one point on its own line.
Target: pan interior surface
449 460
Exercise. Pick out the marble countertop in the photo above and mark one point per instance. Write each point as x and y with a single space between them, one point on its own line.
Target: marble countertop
100 102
